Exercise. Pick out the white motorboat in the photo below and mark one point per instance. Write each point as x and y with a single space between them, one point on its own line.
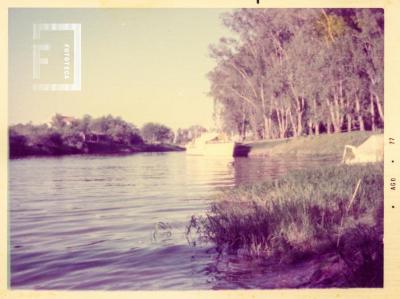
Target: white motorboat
210 144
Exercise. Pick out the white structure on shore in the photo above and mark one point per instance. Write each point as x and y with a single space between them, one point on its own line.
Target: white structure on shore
370 151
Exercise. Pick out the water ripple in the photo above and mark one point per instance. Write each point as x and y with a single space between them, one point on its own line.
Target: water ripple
118 222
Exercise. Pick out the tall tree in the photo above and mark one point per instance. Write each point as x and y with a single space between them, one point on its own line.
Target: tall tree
299 71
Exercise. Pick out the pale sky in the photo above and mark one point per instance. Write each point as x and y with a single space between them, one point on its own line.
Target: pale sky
140 64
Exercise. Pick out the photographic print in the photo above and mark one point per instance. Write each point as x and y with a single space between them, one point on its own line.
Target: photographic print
195 148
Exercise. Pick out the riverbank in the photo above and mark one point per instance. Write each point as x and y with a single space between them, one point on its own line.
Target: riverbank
89 149
335 211
324 144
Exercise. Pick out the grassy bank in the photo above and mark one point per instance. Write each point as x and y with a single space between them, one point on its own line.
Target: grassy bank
332 144
305 214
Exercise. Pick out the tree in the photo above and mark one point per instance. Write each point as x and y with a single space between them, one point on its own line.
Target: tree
116 129
299 71
157 133
69 135
186 135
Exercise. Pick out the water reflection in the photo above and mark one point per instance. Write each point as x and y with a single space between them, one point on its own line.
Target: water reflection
258 169
118 222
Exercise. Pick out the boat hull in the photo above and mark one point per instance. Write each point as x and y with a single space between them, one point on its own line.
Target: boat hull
212 149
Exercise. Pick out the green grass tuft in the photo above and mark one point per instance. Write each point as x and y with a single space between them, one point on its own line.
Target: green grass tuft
302 215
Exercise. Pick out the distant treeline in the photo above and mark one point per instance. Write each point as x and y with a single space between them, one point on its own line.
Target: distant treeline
69 135
292 72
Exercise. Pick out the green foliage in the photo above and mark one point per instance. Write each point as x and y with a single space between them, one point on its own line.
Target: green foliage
330 27
157 133
102 135
302 214
68 135
294 72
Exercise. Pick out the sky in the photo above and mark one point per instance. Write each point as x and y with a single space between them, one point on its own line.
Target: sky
140 64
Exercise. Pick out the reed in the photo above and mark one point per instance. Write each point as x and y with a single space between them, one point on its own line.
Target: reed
303 214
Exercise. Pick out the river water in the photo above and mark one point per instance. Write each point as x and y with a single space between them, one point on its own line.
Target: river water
118 222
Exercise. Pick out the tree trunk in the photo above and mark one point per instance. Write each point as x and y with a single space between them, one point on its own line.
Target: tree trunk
299 123
256 133
279 119
293 123
378 104
372 110
316 124
243 130
270 132
328 127
266 128
349 120
265 118
335 127
334 114
360 118
300 110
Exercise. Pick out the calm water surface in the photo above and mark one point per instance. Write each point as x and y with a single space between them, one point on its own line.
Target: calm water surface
118 222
